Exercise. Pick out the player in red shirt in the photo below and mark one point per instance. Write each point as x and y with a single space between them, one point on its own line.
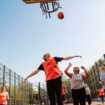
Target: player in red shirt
53 76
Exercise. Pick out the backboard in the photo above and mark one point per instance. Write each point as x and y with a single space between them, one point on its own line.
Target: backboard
38 1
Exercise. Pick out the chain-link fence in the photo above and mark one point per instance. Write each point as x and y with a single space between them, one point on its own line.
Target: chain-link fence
20 93
93 81
40 94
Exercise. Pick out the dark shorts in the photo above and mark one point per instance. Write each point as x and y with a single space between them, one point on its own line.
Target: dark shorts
3 104
63 97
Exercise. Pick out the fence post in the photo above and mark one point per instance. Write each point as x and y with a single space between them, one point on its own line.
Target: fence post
22 90
4 75
14 88
92 83
30 92
10 86
39 94
96 80
98 70
104 56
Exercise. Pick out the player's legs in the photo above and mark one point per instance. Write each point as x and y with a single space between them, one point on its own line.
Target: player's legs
51 92
75 97
82 96
58 83
89 100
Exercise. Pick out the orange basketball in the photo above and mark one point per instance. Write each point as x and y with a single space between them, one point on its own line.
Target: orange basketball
60 15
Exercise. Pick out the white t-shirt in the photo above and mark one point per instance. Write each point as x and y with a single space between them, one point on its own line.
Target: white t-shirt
77 81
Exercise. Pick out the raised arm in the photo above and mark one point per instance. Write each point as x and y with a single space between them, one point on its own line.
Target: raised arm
86 76
32 74
67 69
71 57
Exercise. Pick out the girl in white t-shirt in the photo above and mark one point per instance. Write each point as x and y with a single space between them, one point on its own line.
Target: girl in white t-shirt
77 84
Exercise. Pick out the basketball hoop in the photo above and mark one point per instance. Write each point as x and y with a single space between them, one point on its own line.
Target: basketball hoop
49 7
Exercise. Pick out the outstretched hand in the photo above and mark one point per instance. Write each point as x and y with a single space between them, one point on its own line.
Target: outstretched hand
82 67
70 64
101 83
78 56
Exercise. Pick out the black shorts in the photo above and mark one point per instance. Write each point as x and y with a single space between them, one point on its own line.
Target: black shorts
63 97
3 104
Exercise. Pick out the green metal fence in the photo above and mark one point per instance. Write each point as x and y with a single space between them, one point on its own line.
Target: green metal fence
20 93
94 78
40 95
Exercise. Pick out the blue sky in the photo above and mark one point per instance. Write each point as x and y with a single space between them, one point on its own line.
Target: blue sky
25 35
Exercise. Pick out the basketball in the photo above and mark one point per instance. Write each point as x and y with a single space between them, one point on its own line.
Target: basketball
60 15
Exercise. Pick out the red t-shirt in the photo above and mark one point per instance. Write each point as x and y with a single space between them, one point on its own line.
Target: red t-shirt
100 92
